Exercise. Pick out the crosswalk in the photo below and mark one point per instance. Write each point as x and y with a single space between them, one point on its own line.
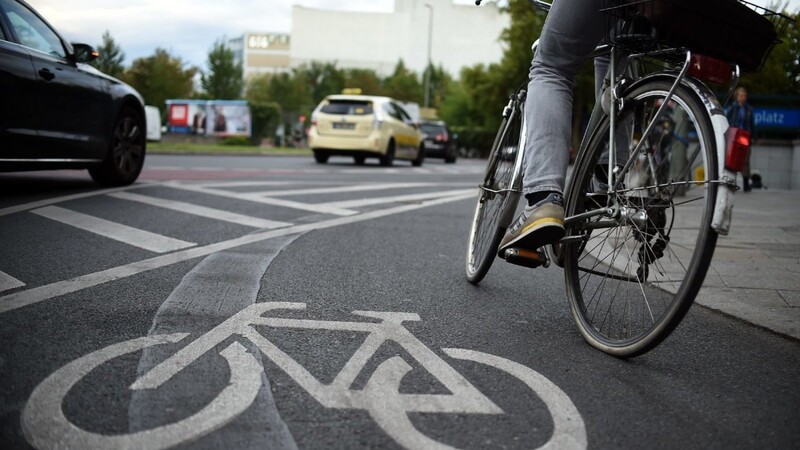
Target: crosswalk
303 200
113 230
430 169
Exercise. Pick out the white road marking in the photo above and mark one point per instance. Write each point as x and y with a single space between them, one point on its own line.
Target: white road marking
217 288
112 230
421 170
38 294
45 425
65 198
569 430
340 189
264 200
201 211
446 169
398 198
8 282
229 184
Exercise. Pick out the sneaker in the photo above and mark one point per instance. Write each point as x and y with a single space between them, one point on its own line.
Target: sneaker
537 226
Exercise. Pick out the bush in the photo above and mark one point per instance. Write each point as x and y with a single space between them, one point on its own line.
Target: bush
236 141
474 140
265 117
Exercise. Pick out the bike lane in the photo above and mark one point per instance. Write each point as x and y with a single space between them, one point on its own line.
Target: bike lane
713 384
716 383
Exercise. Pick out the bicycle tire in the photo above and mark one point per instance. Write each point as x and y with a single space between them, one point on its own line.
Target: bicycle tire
493 209
645 230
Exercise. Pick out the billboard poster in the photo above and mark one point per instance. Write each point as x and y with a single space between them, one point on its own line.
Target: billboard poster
219 118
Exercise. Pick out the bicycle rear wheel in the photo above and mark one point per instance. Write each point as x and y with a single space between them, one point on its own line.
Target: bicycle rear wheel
631 276
497 199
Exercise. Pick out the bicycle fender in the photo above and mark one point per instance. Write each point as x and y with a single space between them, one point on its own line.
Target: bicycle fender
723 205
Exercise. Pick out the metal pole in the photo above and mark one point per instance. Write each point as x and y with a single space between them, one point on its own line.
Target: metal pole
428 69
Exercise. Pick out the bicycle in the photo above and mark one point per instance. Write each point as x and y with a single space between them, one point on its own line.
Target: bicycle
641 221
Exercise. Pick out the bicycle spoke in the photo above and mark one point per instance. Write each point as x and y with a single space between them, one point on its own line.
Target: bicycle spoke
626 274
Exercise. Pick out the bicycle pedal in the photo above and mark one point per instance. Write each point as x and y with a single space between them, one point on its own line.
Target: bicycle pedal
526 258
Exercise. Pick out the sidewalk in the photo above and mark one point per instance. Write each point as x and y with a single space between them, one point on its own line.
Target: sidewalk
755 273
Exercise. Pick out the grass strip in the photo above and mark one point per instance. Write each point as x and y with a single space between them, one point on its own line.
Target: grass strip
189 148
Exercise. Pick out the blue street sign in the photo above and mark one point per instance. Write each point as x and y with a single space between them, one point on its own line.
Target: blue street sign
777 118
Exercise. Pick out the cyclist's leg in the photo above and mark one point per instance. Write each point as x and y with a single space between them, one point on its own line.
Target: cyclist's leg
571 32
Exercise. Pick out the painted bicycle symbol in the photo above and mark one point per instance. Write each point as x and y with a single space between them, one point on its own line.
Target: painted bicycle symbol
44 422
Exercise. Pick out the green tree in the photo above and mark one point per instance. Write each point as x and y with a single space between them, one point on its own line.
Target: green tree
367 80
440 83
257 88
111 57
265 116
160 77
291 92
265 113
322 79
781 72
223 77
403 85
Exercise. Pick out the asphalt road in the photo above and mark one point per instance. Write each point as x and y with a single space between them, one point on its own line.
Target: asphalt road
264 302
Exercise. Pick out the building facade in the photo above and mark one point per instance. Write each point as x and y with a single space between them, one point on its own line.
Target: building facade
261 53
462 35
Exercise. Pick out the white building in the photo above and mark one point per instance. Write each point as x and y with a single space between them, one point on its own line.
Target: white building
463 35
262 52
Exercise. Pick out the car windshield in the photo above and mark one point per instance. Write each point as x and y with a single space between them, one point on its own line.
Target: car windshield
431 129
349 107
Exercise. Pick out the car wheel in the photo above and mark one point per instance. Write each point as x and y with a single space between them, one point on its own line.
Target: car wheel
125 159
360 160
388 159
417 162
321 157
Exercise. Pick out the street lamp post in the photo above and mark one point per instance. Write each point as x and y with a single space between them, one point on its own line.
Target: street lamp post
428 69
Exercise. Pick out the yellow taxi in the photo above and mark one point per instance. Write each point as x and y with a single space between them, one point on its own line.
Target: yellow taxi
363 126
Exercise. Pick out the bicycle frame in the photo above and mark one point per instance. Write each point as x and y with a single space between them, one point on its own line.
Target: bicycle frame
726 179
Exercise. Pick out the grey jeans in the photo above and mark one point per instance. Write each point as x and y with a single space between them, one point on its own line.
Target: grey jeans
571 32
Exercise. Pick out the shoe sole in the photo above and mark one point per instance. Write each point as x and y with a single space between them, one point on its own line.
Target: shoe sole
539 235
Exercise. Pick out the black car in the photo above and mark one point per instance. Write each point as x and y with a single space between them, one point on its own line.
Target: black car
58 112
438 141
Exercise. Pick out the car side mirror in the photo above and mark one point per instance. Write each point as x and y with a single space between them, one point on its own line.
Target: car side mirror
84 53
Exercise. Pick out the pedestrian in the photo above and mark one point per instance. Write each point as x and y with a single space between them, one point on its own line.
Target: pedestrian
740 115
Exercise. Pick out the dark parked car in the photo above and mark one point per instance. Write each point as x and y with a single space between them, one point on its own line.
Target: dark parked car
58 112
438 141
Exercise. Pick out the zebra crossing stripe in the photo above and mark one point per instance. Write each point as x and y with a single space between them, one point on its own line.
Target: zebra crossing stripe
8 282
112 230
340 189
401 198
201 211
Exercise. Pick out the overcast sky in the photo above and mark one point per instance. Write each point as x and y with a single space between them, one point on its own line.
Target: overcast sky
188 28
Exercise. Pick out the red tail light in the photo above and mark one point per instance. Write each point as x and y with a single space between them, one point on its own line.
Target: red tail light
709 69
737 146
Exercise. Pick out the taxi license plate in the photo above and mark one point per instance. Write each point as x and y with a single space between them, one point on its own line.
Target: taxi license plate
344 126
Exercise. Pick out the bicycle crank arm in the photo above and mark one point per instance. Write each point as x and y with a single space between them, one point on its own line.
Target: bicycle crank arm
526 258
588 215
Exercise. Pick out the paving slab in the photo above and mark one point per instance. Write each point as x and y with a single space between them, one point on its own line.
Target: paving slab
755 273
